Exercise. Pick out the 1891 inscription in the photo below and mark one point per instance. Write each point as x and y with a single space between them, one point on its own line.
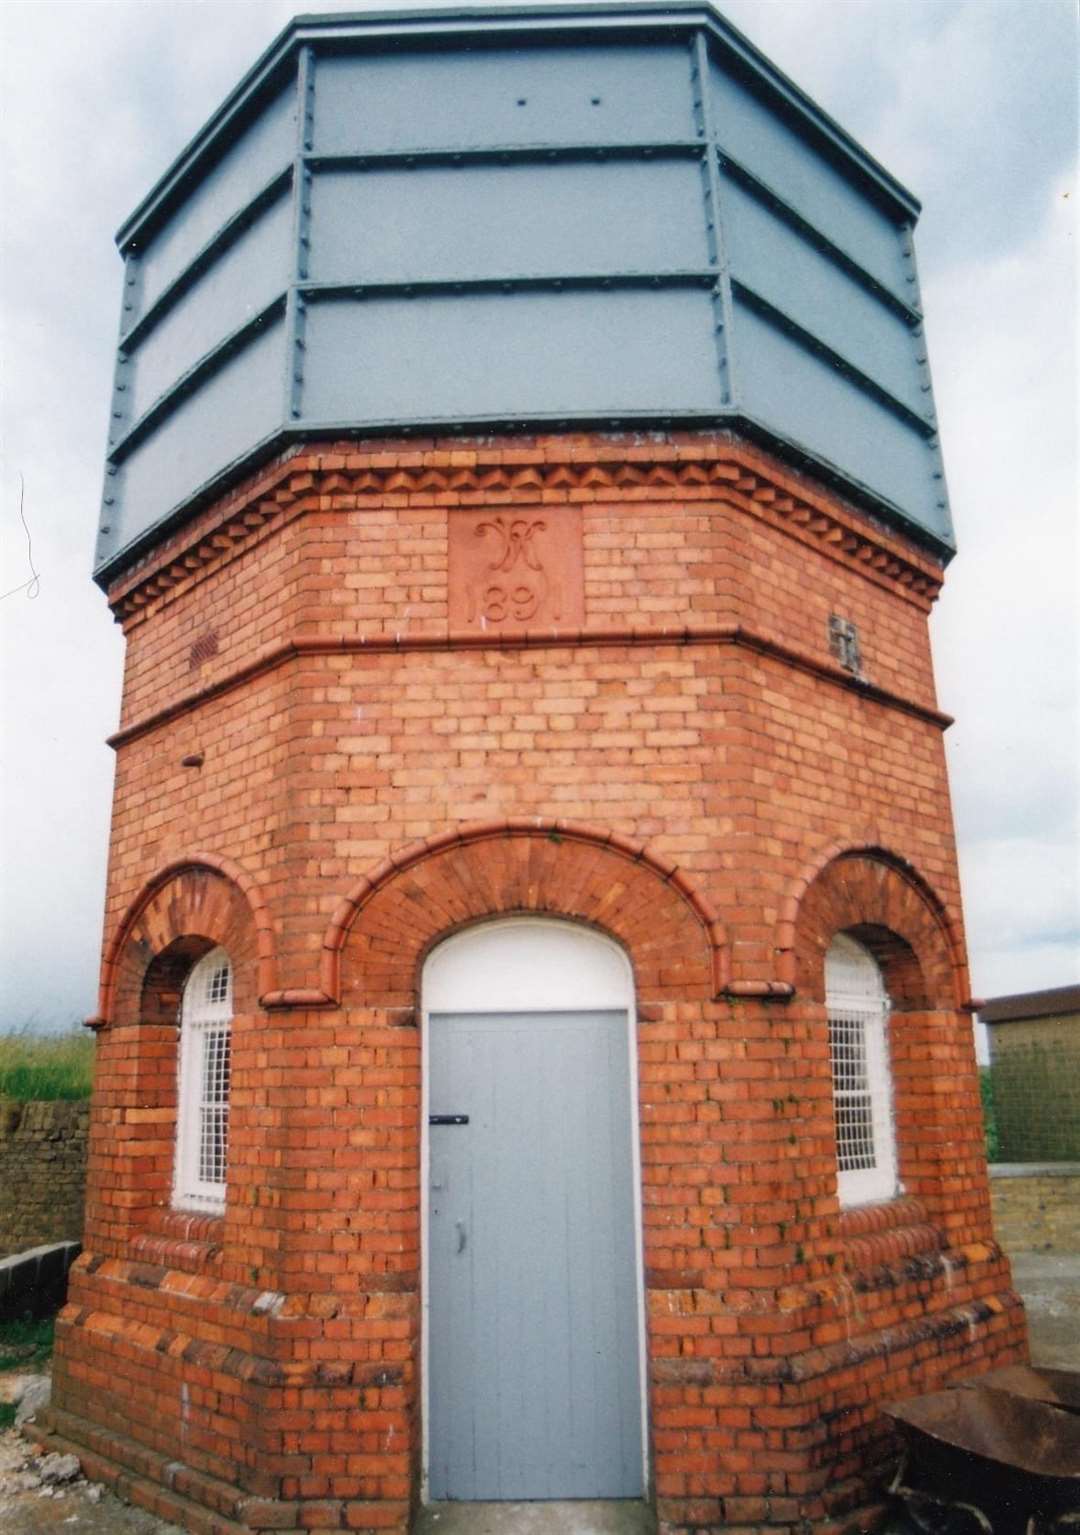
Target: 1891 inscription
514 570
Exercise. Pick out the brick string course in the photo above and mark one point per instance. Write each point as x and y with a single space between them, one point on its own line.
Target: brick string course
690 771
42 1173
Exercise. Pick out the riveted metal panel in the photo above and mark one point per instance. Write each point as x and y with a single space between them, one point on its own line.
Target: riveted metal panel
507 221
784 267
495 96
521 217
261 152
238 407
791 163
245 278
807 400
515 355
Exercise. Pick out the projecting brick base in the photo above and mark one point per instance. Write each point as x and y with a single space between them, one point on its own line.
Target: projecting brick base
200 1504
153 1482
137 1475
111 1459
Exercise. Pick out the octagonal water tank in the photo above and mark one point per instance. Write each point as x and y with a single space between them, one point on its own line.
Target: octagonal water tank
518 219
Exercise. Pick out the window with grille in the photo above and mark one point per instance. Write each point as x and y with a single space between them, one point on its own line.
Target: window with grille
858 1009
202 1116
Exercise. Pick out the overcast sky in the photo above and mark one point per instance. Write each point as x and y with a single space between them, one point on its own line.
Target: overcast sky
971 103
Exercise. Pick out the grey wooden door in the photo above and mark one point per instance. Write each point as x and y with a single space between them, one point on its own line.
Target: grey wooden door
533 1357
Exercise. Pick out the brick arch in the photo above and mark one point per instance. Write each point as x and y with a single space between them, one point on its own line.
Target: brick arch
880 898
378 937
199 898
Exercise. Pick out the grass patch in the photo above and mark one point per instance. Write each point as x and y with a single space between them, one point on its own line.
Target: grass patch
7 1414
34 1067
990 1124
26 1344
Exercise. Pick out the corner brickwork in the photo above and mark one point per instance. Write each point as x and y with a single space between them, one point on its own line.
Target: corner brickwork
322 768
42 1173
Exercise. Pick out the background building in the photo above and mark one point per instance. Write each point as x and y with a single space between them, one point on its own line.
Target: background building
1034 1042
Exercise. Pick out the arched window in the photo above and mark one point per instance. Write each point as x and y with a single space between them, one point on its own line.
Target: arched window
858 1009
202 1119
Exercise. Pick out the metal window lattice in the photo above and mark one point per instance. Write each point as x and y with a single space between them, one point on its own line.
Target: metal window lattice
217 985
205 1067
852 1096
858 1011
214 1109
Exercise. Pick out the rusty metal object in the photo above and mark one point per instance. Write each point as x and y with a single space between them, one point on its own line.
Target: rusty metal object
1057 1388
981 1460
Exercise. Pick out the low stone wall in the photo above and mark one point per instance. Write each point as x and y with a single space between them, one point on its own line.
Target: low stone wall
34 1283
42 1173
1036 1206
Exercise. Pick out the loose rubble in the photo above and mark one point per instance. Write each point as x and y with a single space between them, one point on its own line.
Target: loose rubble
33 1397
42 1491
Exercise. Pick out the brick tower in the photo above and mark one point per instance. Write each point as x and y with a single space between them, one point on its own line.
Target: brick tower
534 1053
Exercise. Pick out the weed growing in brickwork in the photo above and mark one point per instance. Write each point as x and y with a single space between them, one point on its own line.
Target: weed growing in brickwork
40 1067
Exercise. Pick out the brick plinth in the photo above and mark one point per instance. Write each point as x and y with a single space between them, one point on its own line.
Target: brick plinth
330 756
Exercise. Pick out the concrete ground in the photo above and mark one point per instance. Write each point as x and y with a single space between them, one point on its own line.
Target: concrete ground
584 1518
1050 1285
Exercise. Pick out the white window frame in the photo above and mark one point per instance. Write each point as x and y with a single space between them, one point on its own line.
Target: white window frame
203 1073
858 1009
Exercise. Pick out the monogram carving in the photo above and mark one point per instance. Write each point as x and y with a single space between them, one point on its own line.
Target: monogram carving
513 593
516 570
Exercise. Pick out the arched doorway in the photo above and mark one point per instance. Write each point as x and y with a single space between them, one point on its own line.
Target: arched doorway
533 1314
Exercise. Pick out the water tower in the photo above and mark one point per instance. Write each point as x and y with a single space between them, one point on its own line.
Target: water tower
534 1050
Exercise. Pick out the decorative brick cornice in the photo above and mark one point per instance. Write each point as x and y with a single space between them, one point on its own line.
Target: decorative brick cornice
592 469
233 519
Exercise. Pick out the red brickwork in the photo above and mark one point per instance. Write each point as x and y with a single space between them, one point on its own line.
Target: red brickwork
320 770
393 917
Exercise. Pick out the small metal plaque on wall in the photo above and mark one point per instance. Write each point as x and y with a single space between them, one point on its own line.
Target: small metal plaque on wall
516 569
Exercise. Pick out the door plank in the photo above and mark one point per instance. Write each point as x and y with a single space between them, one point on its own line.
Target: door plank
534 1366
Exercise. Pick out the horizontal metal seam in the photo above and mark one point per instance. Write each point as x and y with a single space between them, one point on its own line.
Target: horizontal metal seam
762 192
207 365
273 67
772 312
701 277
205 256
464 155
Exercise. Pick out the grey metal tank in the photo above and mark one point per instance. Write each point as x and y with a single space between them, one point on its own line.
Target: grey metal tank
500 220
